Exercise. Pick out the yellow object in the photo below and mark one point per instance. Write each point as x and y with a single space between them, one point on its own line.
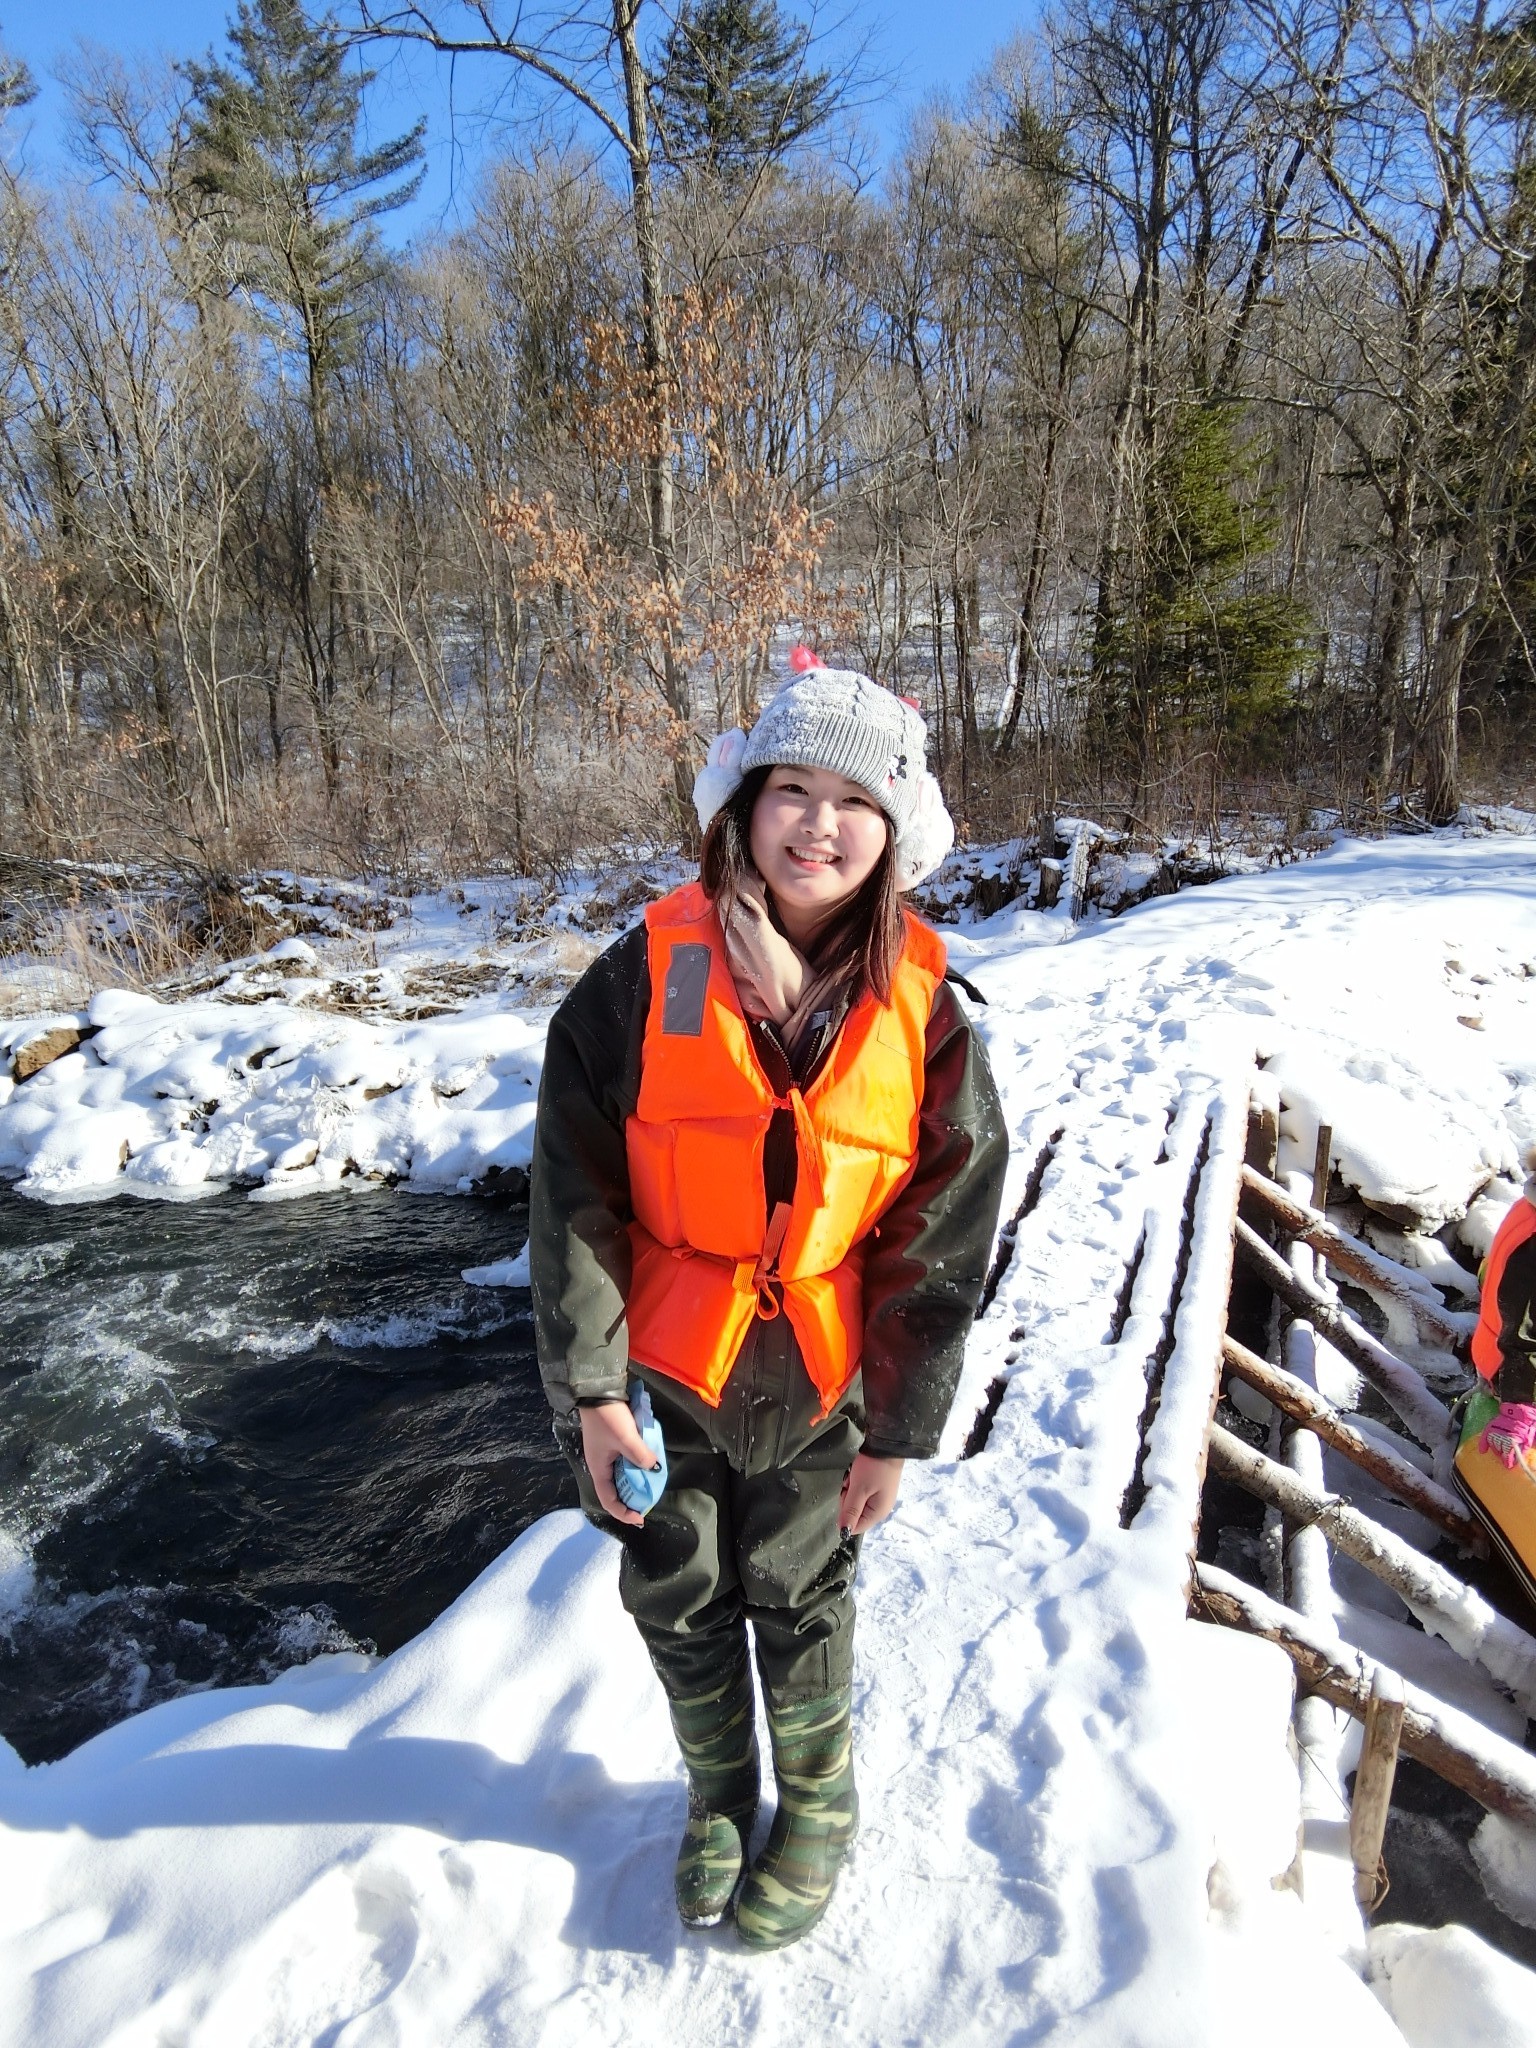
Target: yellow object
1503 1499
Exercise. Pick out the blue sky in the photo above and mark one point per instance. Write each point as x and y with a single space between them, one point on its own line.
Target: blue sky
919 45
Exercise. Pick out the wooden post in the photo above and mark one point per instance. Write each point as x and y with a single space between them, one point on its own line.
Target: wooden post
1249 1302
1495 1772
1322 1166
1373 1784
1402 1479
1406 1389
1263 1137
1077 871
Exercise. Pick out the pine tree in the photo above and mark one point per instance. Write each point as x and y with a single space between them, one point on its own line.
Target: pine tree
1197 646
734 90
273 150
272 153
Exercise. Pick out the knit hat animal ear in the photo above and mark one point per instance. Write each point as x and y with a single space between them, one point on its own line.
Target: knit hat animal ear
928 836
721 776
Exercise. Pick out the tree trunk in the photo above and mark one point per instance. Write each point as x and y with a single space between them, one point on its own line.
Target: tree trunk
656 353
961 594
1478 568
1442 707
1386 691
1024 635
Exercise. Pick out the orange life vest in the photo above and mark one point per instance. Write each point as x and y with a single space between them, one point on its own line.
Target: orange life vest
705 1249
1487 1339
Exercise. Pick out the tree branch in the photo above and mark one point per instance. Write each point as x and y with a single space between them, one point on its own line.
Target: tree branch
413 24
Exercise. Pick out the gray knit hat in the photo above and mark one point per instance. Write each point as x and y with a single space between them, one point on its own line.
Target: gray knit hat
838 719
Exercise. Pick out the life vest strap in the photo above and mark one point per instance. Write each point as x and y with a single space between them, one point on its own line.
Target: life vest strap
753 1276
773 1243
768 1261
812 1161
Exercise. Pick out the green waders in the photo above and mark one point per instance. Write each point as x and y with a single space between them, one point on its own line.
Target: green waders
747 1530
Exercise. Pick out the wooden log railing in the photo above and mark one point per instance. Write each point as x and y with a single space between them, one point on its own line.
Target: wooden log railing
1440 1600
1358 1262
1403 1480
1501 1777
1397 1382
1488 1768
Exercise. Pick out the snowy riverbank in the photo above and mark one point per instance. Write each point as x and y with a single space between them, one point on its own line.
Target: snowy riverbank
1077 1800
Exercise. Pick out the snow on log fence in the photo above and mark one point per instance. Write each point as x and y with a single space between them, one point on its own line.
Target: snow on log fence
1171 1313
1182 1439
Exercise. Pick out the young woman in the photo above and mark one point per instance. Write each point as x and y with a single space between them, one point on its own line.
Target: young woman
766 1179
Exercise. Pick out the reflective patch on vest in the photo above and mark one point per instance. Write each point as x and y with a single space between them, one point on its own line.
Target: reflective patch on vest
682 1005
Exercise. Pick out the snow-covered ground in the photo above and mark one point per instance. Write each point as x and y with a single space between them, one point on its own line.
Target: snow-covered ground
1077 1801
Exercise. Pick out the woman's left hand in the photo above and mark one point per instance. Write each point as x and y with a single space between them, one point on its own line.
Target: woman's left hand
869 1493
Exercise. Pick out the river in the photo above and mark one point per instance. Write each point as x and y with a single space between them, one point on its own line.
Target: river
234 1433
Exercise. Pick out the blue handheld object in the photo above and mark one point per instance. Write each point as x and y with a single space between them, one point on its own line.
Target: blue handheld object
638 1489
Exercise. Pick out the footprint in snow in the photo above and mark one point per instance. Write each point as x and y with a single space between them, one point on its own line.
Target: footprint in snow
1065 1516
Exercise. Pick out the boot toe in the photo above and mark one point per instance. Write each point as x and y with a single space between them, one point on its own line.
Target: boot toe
790 1887
765 1920
710 1862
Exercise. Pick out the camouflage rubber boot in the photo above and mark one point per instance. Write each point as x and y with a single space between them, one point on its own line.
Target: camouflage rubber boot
790 1885
717 1734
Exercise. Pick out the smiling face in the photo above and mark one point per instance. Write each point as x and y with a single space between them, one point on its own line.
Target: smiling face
816 838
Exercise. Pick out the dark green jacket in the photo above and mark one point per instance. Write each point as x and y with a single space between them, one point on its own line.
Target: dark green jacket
924 1268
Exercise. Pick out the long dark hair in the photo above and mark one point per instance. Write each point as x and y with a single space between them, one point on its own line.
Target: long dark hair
863 941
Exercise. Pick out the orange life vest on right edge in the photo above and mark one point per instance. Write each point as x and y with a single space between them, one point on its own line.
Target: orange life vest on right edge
705 1249
1488 1338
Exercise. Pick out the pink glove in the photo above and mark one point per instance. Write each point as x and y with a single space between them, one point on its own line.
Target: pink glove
1512 1434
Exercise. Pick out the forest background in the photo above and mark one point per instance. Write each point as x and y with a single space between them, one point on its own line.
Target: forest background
1161 419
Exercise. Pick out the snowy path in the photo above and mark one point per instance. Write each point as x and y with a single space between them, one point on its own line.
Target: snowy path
1075 1799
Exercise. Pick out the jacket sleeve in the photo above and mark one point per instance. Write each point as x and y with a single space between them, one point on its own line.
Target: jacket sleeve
578 1204
927 1258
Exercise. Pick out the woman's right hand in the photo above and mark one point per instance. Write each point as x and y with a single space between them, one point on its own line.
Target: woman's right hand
608 1433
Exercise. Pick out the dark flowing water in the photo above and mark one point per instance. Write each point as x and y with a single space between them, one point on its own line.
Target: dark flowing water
233 1434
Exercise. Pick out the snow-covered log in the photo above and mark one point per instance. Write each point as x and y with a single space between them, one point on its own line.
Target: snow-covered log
1359 1262
1392 1376
1173 1461
1491 1770
1403 1480
1444 1605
